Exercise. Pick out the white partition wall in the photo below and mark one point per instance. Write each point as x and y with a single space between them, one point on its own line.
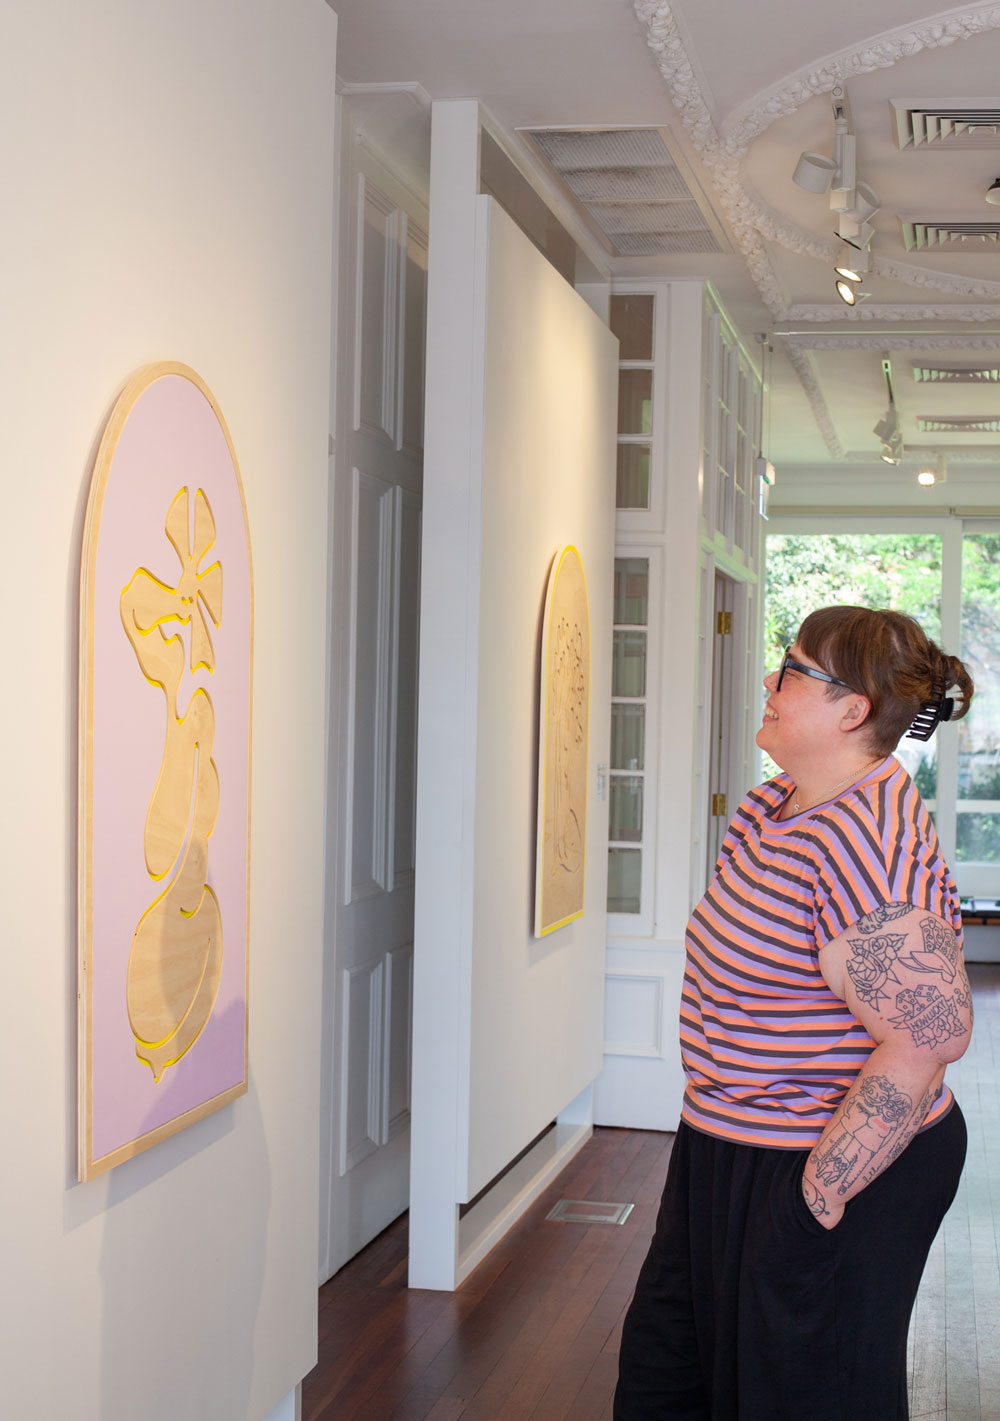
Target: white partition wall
167 195
519 461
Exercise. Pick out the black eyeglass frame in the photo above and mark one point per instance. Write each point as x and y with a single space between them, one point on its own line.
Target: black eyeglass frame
787 662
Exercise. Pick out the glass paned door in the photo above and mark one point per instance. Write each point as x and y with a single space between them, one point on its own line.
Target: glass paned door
978 839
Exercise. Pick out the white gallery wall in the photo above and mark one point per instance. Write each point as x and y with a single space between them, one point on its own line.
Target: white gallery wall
519 461
536 1035
167 195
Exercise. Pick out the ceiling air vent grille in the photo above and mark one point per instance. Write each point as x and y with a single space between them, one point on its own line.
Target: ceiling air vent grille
919 233
955 374
959 123
958 424
631 189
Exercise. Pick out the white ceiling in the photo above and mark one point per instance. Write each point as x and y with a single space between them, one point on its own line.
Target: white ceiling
742 90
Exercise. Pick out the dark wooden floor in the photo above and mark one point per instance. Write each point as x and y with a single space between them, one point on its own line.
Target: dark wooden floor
534 1332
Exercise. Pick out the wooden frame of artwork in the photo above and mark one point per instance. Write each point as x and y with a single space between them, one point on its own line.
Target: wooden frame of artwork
166 655
563 747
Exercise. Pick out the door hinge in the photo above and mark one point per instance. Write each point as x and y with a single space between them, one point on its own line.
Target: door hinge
718 805
724 623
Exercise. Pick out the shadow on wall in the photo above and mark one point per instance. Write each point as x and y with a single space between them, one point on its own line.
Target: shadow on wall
180 1301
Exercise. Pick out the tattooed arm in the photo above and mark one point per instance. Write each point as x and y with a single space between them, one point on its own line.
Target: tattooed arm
901 973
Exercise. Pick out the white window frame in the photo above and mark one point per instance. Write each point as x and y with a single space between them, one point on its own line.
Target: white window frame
640 924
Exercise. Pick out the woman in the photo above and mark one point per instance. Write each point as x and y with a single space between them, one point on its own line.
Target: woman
824 995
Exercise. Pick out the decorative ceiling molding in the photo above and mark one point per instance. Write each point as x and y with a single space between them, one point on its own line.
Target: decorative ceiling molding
879 340
751 222
799 360
880 52
918 453
722 155
664 39
871 312
762 273
935 280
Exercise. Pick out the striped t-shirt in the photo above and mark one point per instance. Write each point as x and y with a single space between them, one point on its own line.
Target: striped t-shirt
769 1051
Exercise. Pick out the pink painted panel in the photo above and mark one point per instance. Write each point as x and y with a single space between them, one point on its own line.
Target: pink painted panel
172 440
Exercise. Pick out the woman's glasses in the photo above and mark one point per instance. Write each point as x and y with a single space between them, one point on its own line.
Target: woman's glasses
788 664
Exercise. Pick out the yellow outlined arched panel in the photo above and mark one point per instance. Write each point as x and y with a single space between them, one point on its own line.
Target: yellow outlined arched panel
166 649
563 746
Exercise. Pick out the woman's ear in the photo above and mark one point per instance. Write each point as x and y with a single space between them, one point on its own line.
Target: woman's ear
856 711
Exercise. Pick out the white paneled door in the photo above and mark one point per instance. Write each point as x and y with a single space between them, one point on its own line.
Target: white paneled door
377 481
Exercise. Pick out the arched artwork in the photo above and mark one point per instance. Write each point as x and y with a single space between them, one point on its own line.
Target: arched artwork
166 642
563 747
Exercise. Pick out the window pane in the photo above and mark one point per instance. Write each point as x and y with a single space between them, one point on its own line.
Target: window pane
632 323
631 591
628 737
625 816
897 570
632 489
920 762
979 731
624 868
901 571
979 838
635 401
628 666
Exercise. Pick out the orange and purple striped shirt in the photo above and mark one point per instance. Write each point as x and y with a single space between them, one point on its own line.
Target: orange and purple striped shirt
768 1050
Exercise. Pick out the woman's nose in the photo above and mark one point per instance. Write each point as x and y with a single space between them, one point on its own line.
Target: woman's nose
771 681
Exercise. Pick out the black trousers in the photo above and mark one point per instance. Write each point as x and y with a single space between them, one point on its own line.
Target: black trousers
747 1309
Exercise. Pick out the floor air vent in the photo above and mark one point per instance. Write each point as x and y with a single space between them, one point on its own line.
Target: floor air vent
631 189
589 1211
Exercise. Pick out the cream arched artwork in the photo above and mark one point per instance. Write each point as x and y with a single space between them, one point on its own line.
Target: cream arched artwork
165 770
561 845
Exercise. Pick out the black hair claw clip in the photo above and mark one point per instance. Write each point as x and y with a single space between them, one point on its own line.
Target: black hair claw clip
939 707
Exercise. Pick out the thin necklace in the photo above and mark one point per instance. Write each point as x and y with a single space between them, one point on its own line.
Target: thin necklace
854 775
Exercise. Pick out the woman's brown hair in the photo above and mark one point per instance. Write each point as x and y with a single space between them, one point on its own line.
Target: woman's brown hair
887 657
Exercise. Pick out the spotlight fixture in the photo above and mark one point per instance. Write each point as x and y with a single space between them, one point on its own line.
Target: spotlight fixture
993 192
814 172
887 430
846 291
854 202
854 223
892 449
928 477
852 262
